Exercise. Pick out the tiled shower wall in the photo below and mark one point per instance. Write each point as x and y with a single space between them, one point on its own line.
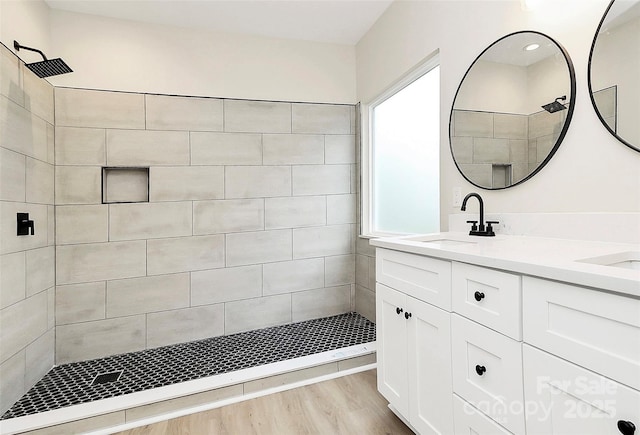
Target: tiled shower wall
250 220
27 263
522 141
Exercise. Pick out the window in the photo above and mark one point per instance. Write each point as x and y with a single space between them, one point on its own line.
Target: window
401 156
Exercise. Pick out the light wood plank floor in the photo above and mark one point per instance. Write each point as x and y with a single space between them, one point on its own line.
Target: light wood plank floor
347 405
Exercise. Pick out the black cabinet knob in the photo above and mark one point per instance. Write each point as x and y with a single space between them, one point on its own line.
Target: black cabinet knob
407 315
478 296
398 310
626 427
480 370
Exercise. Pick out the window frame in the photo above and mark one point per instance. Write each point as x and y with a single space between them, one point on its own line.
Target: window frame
366 143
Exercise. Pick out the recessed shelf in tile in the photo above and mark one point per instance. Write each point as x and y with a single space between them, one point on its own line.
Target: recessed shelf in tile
123 184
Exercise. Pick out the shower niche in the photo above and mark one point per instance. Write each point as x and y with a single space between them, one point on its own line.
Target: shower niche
125 185
512 110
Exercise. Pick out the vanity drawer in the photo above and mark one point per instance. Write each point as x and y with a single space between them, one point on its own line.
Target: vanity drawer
564 398
468 420
487 371
425 278
594 329
489 297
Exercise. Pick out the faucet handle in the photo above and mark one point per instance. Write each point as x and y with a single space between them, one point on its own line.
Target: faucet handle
474 226
490 228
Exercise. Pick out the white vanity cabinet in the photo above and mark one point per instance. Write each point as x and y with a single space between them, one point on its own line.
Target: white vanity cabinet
414 341
586 377
477 342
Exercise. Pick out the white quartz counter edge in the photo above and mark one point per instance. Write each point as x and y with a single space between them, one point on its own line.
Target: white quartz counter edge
555 259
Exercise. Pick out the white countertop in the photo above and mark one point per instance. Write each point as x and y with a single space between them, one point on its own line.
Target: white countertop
551 258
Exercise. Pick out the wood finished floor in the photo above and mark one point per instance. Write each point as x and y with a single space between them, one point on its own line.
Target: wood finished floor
347 405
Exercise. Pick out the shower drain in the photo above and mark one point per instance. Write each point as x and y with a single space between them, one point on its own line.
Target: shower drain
105 378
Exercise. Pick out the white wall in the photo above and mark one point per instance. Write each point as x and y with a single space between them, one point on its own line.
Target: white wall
112 54
591 172
28 23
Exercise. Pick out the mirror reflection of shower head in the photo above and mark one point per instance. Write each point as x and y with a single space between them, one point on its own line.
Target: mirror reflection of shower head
556 106
46 67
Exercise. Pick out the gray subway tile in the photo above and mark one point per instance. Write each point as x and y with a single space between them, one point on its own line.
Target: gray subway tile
475 124
38 95
12 278
100 261
78 185
186 183
21 323
184 254
147 147
86 108
257 116
10 76
321 241
82 224
258 247
257 313
321 179
341 209
226 216
293 149
77 303
339 270
41 268
187 324
313 304
39 357
22 131
291 212
89 340
293 276
339 149
149 220
80 146
12 176
40 182
126 297
257 181
183 113
225 285
321 118
12 374
226 148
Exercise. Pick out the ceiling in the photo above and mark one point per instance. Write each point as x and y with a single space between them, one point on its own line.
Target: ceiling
333 21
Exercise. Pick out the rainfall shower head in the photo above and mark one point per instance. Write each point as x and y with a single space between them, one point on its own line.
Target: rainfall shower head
555 106
46 67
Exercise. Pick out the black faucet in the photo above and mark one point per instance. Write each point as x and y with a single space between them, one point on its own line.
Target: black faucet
478 230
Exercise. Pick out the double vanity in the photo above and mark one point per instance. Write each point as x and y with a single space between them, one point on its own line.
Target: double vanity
509 334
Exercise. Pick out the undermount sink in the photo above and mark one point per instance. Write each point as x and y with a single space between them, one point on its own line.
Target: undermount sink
439 243
624 260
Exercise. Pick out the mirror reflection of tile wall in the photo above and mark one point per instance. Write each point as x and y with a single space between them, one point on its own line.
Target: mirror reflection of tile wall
498 149
606 100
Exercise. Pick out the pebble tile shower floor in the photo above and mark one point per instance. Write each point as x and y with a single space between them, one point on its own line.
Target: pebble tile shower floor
75 383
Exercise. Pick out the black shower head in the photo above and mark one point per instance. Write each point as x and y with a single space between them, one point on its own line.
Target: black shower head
555 106
46 67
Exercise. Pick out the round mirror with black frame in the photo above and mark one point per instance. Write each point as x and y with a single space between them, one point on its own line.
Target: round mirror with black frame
614 71
512 110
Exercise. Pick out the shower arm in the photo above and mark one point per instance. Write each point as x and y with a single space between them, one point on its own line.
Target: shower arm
17 46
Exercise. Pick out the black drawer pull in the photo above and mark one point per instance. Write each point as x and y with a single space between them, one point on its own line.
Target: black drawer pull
480 370
398 310
478 296
626 427
407 315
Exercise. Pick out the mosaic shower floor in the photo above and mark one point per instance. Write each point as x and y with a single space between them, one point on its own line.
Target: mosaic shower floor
86 381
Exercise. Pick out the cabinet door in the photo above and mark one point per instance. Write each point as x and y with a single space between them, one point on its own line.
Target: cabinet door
563 398
429 354
391 337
